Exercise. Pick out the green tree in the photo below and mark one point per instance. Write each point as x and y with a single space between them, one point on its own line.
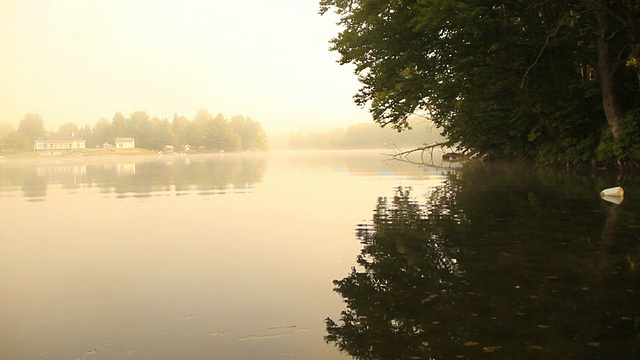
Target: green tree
86 133
198 131
10 139
221 136
139 127
5 130
102 133
159 134
121 126
501 77
179 128
616 21
31 127
252 136
68 129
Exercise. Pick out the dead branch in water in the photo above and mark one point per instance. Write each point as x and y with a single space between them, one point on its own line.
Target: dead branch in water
403 155
426 156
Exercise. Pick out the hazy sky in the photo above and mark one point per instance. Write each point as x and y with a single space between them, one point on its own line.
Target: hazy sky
81 60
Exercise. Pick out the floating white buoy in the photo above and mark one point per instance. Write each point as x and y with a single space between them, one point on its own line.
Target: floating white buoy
614 194
614 191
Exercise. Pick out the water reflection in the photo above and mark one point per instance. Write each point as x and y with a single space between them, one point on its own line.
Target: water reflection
86 275
498 261
135 177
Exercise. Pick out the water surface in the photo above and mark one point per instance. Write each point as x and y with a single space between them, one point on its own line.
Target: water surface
212 257
501 261
314 255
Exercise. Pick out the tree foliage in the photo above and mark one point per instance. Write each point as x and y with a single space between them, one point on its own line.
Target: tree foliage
68 129
10 139
518 78
205 131
366 136
31 127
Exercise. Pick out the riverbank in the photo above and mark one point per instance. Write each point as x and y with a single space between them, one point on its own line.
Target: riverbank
83 153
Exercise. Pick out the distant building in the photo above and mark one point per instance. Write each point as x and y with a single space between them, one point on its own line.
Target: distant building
125 143
56 144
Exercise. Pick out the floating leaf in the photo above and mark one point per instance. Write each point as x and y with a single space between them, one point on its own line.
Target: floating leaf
429 298
491 348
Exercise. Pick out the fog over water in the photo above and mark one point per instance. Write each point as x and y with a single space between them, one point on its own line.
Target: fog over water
230 256
314 255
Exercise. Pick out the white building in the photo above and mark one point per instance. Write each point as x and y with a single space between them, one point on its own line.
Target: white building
125 143
56 144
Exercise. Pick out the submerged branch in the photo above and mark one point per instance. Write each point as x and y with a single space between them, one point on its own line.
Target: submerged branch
423 150
427 156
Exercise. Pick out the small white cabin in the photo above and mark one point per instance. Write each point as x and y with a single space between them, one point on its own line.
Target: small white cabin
125 143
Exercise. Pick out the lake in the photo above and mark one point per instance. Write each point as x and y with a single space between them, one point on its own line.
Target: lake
314 255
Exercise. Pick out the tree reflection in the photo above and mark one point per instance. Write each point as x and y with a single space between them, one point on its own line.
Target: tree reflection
496 260
34 187
125 178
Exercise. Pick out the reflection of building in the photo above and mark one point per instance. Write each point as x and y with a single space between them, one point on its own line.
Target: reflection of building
126 169
56 144
125 143
52 171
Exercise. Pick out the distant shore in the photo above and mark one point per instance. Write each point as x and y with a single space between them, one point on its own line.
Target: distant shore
83 153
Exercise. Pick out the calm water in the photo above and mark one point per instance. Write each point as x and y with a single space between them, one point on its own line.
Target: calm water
219 257
314 256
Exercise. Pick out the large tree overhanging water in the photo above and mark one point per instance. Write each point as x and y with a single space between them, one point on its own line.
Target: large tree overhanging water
547 80
528 263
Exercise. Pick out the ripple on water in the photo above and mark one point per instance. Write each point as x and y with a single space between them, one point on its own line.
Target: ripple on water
274 335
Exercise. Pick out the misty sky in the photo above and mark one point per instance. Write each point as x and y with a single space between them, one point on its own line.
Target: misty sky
81 60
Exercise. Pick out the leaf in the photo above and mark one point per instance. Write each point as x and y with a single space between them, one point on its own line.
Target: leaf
491 348
470 343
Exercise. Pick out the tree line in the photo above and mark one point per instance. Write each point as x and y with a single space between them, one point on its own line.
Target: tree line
553 81
204 131
366 136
